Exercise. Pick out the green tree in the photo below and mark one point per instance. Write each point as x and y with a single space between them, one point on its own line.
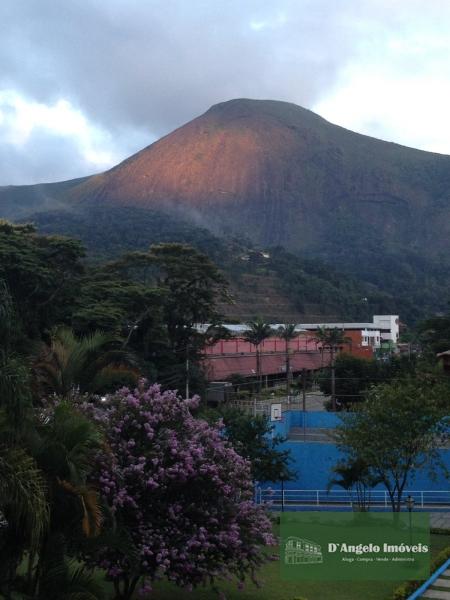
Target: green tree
15 393
189 287
108 301
45 502
258 331
399 429
41 273
10 330
434 334
24 511
355 476
93 363
288 332
252 437
353 376
65 446
333 340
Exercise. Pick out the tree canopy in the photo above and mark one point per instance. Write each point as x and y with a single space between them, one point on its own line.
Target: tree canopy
41 273
252 437
354 376
136 486
434 334
151 300
396 431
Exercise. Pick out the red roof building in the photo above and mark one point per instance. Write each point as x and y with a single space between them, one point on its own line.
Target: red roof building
236 356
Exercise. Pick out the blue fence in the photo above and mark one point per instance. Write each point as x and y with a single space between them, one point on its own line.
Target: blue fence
297 418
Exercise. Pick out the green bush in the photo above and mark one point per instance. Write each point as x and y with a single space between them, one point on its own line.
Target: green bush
439 531
405 590
440 559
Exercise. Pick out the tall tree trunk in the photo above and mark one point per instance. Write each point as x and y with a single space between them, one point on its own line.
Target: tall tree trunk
393 499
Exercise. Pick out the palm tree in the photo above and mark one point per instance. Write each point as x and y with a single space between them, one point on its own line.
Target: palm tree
258 331
23 487
24 511
332 339
45 500
45 460
88 364
288 332
355 475
64 450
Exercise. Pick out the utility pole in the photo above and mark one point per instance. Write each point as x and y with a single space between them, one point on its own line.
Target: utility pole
187 371
288 369
258 370
304 402
333 380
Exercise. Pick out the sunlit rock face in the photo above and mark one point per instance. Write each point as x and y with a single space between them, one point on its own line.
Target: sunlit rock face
283 175
278 174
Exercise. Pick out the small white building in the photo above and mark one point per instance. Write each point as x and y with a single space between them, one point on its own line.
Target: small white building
389 326
384 328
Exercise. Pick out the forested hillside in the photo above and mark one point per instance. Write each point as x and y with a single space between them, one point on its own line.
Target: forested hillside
272 282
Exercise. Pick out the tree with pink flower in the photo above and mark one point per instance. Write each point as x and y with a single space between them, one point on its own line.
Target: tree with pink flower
176 492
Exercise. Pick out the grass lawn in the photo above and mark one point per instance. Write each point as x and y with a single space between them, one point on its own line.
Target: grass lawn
275 589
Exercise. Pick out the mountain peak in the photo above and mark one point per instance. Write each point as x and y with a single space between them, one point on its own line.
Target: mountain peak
280 174
241 107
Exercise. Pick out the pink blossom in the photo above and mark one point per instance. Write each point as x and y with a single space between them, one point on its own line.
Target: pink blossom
182 494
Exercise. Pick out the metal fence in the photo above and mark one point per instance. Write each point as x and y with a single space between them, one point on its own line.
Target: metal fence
344 499
252 407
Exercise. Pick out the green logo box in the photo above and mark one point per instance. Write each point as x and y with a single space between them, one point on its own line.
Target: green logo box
354 546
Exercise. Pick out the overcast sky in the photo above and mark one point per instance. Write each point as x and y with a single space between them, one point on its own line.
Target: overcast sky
85 83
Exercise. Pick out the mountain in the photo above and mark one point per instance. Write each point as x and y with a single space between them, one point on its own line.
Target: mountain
21 201
279 175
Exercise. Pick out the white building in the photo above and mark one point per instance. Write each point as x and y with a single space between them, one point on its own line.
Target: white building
389 326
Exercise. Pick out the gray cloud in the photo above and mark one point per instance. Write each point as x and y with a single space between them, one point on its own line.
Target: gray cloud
44 158
47 156
138 69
